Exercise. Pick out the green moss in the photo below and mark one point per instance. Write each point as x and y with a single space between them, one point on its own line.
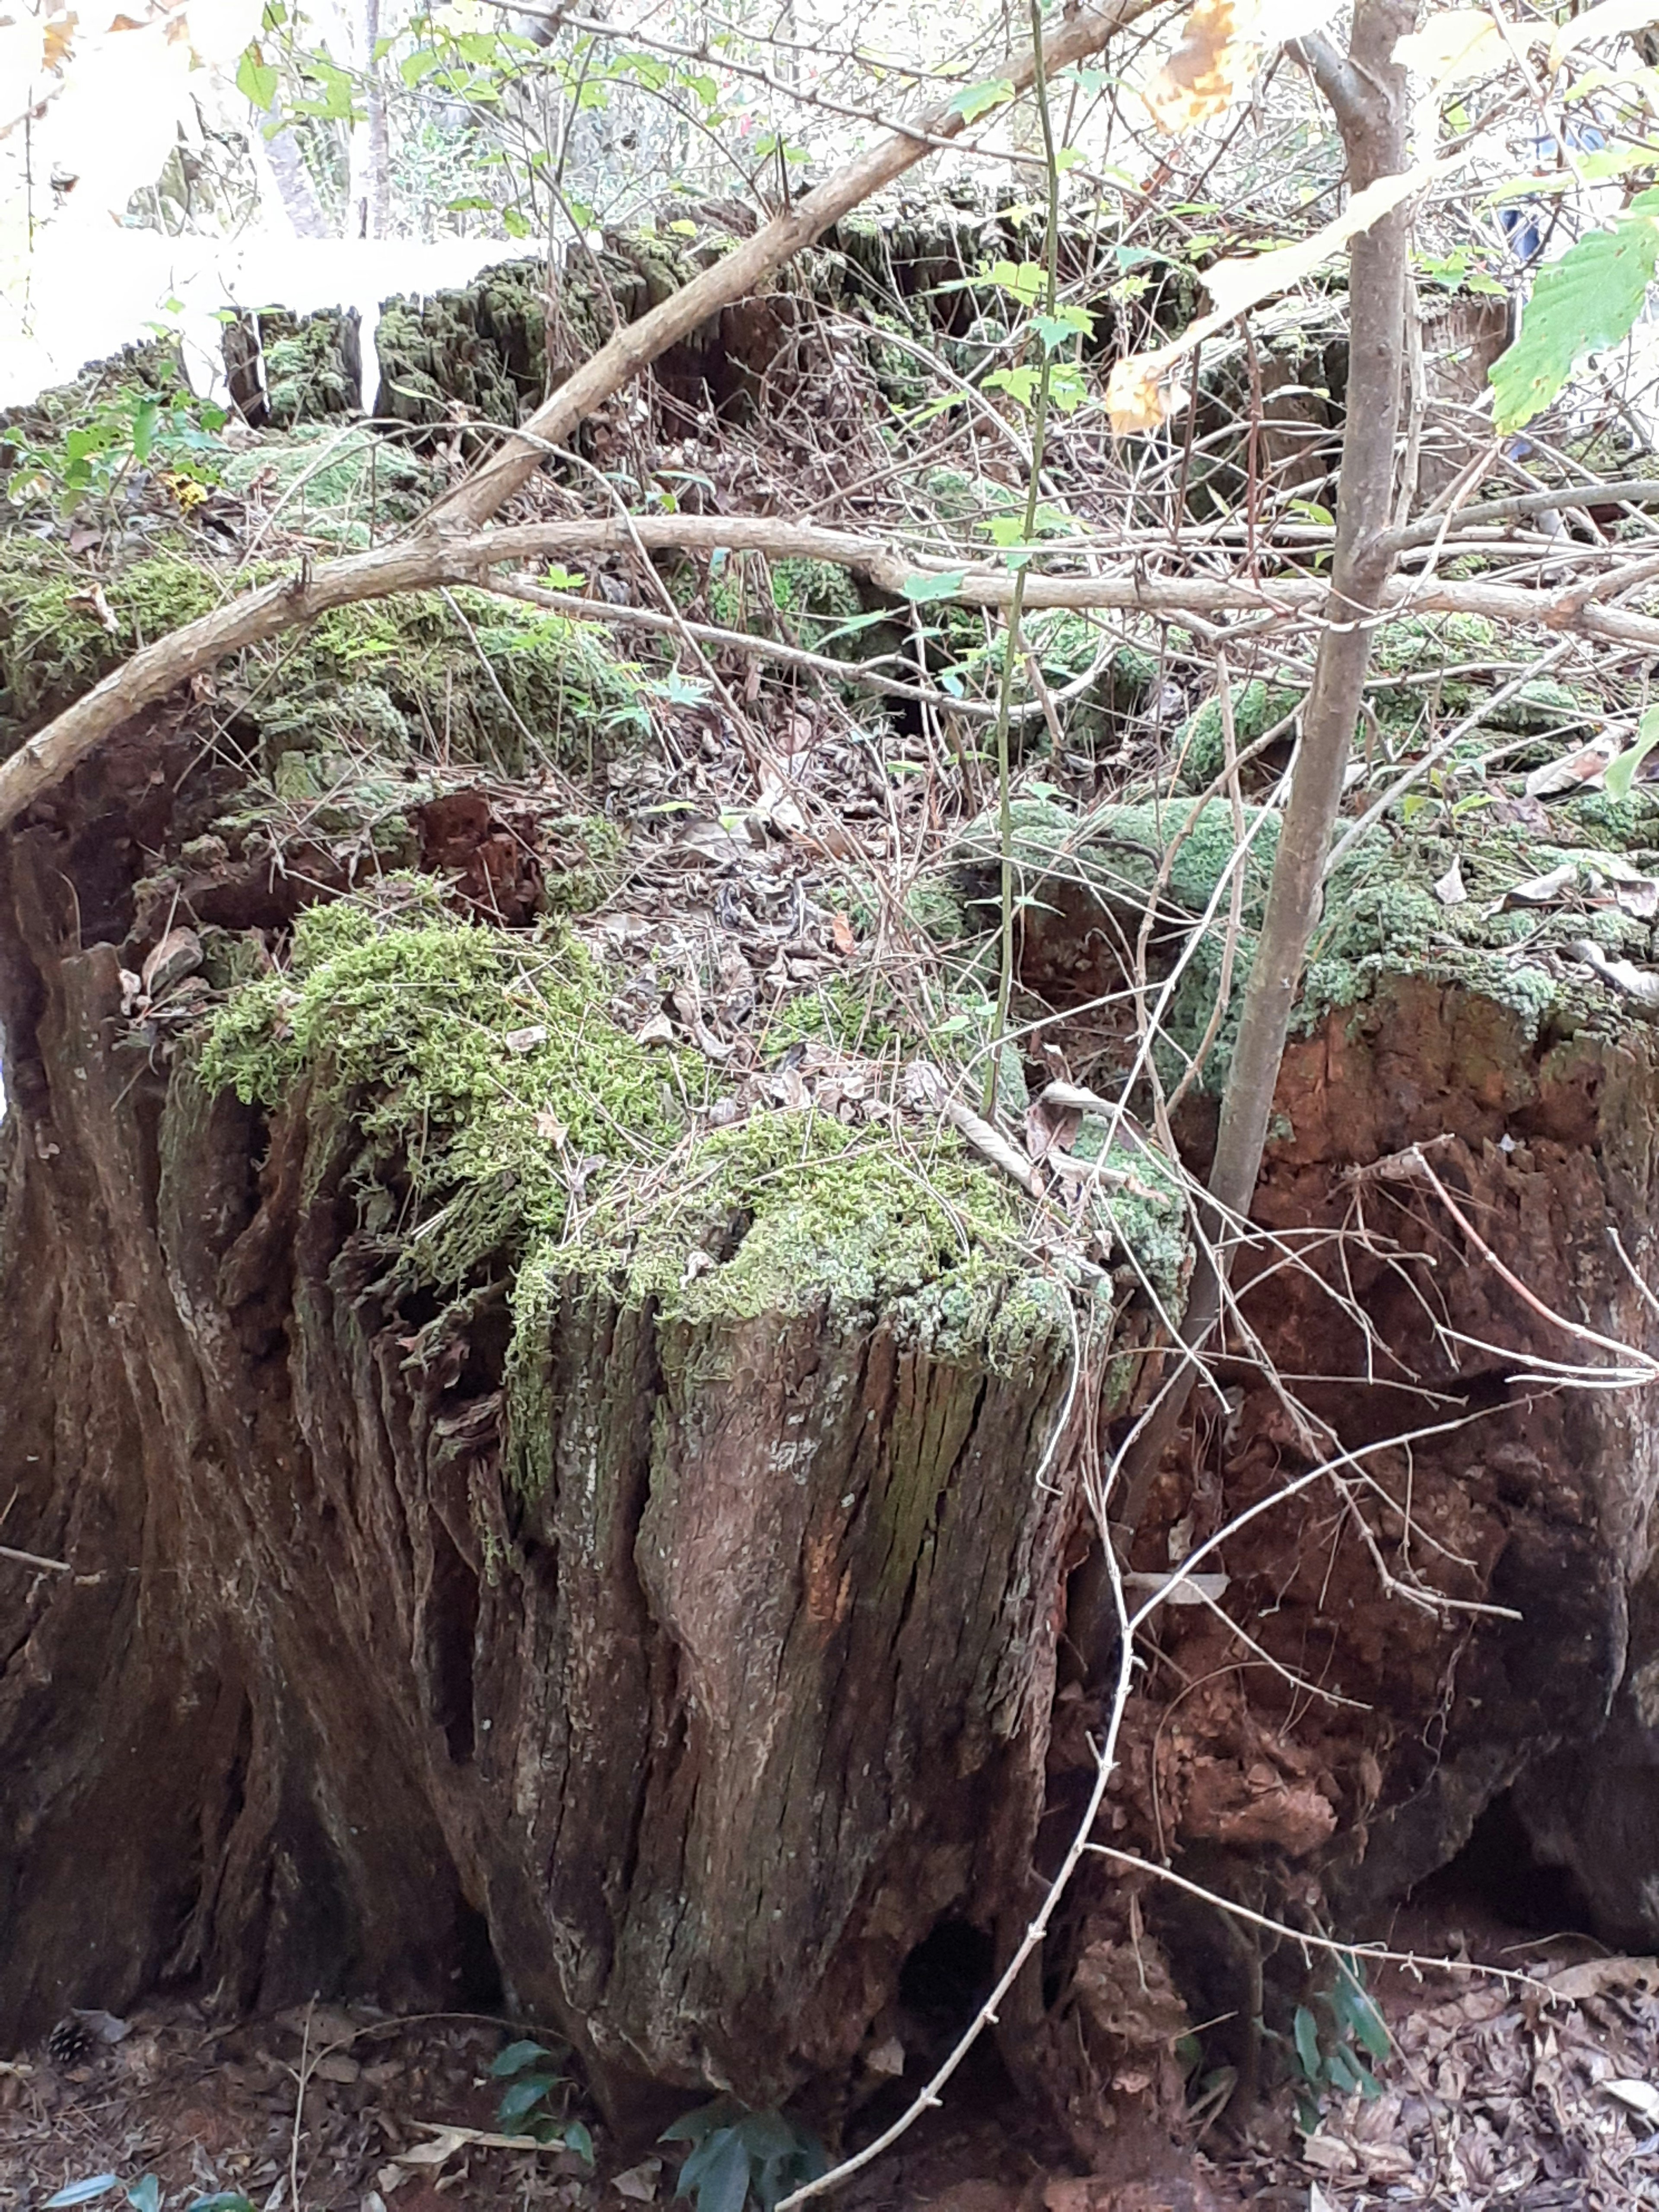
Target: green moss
306 373
842 1013
461 675
54 642
467 675
1201 742
475 1065
1418 643
817 597
789 1212
332 483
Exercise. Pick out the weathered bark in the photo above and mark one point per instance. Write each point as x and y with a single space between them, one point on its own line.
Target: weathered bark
698 1687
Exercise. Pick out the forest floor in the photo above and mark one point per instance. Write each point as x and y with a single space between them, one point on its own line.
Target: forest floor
1494 2095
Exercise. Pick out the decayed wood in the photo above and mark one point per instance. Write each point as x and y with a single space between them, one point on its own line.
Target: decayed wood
708 1718
1082 31
1366 91
418 564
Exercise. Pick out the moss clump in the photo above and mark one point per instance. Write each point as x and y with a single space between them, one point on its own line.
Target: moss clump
474 1065
1202 743
333 483
54 641
816 598
463 674
792 1211
843 1014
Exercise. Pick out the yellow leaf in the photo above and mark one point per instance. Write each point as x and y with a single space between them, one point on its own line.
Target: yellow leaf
1452 47
1133 400
1212 64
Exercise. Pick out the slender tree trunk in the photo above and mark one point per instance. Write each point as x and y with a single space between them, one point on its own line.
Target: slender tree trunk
293 191
1367 92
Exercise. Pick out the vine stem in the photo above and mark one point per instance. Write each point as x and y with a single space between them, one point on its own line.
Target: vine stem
1010 641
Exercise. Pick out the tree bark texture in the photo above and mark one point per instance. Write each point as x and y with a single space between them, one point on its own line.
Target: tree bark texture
701 1731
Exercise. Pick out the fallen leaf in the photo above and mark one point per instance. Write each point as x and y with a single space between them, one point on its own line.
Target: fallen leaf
525 1040
1541 891
178 953
841 930
1451 890
639 2183
1596 1977
92 602
336 2066
658 1030
1641 2096
1575 769
1181 1589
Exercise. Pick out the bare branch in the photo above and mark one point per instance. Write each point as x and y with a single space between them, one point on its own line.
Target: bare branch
422 563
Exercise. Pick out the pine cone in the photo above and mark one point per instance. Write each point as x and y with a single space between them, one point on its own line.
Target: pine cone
69 2041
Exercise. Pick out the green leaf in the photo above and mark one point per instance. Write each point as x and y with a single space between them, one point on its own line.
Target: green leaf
1068 158
515 224
1307 2043
1067 323
145 2196
144 428
921 590
577 2138
721 2182
256 80
1343 2069
1582 304
82 2192
515 2058
1620 772
521 2098
1025 279
1067 387
977 99
1020 384
421 64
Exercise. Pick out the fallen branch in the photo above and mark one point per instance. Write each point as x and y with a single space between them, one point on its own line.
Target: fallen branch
738 641
423 563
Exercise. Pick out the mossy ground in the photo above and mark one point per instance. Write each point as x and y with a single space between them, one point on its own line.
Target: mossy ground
454 676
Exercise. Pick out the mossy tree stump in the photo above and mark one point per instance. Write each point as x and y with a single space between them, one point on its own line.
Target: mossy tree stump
664 1603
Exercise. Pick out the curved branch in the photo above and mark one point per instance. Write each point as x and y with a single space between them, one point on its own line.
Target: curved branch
467 557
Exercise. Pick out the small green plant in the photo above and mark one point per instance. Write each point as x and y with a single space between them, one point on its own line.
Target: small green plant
145 2196
175 437
1331 2040
536 2098
737 2154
